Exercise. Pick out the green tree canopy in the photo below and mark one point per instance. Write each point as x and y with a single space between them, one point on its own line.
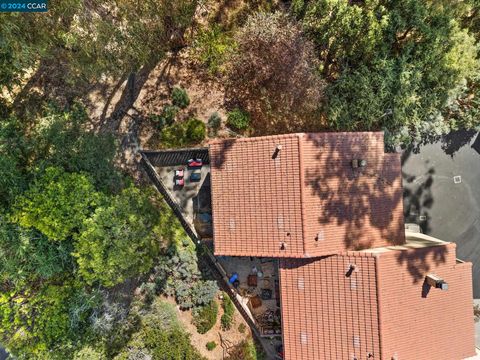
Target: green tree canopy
27 256
57 203
45 323
390 65
119 240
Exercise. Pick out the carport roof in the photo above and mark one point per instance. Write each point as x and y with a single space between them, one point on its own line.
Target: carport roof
297 195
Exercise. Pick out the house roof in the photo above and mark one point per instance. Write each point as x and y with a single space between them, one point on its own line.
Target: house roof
382 308
306 200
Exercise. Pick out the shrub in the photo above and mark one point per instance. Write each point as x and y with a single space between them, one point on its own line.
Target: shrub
180 98
176 273
245 350
213 47
238 119
166 118
273 75
195 131
228 312
214 123
242 328
211 345
205 317
185 133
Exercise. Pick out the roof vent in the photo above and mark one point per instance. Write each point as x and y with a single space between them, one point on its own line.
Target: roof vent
280 222
277 151
231 224
303 338
356 341
359 163
351 268
436 282
301 284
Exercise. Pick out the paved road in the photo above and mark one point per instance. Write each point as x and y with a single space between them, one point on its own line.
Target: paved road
444 205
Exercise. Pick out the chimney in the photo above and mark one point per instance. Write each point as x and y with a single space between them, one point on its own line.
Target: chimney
277 151
436 282
359 163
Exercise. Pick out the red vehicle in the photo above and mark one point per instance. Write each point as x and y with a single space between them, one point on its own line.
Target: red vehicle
195 163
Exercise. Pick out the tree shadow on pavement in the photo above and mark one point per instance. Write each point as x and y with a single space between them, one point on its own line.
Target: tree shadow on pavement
417 195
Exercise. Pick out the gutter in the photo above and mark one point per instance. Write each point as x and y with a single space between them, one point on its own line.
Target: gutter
379 304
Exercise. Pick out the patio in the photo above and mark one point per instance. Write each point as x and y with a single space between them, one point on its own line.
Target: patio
257 285
193 197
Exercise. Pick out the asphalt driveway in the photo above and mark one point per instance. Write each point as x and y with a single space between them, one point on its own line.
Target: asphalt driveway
442 193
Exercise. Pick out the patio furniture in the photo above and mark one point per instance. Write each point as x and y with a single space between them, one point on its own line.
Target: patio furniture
255 302
252 280
195 176
195 163
266 294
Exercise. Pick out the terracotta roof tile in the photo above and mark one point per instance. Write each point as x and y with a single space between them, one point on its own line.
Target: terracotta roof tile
307 201
378 308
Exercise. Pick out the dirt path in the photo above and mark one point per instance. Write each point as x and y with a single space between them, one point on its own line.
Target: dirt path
199 341
123 107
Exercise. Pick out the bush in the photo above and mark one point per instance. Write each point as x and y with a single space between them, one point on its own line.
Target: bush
205 317
176 273
273 75
238 119
195 131
166 118
228 312
180 98
211 345
214 123
213 47
242 328
185 133
245 350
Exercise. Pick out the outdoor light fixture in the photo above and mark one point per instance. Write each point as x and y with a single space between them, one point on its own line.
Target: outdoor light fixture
436 282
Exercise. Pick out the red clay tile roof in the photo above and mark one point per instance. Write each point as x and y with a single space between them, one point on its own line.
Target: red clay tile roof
307 201
381 309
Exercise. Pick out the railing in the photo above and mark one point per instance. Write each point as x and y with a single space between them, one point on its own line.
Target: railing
155 178
160 160
176 157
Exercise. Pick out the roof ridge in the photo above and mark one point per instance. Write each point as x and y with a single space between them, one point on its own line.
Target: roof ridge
302 191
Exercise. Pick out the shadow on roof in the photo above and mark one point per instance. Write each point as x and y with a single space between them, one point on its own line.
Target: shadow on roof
420 261
359 200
